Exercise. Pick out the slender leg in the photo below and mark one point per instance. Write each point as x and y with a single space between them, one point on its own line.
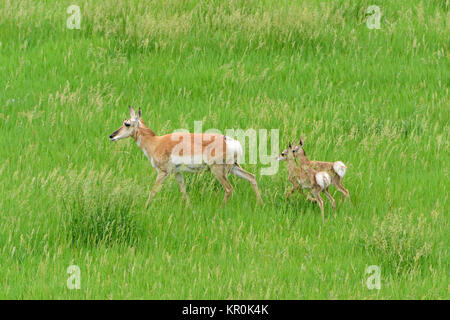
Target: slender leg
327 193
307 195
180 180
341 188
221 174
241 173
289 193
159 180
319 199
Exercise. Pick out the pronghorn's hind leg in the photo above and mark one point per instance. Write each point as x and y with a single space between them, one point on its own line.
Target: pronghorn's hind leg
220 171
330 197
341 188
180 180
162 175
319 200
241 173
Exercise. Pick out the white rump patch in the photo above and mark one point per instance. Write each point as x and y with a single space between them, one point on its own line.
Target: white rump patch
323 179
234 149
340 168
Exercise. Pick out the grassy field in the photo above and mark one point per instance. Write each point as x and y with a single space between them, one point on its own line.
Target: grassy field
376 99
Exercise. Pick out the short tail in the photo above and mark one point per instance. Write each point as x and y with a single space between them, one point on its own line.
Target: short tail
234 149
340 168
323 179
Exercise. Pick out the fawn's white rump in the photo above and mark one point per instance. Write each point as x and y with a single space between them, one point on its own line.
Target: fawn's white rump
340 168
323 179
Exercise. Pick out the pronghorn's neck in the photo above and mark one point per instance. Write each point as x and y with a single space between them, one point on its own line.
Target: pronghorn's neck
291 164
142 131
303 160
145 139
299 162
305 164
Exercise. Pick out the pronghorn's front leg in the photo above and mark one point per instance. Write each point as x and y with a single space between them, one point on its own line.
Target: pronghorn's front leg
162 175
289 193
299 189
180 180
307 194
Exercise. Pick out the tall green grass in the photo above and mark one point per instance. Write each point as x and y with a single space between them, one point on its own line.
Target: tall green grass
374 99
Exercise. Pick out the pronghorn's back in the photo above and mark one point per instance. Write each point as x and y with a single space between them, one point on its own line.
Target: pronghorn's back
193 149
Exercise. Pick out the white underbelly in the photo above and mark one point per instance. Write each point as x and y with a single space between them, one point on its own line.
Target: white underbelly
188 164
191 168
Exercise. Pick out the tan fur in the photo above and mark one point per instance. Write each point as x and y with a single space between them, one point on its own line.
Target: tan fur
336 180
164 152
303 176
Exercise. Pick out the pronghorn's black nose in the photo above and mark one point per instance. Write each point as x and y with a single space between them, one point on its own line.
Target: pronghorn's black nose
110 136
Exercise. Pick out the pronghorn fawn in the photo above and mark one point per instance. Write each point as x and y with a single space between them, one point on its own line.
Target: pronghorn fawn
303 176
336 170
190 152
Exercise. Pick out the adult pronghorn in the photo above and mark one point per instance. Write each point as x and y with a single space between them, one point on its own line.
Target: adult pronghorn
191 152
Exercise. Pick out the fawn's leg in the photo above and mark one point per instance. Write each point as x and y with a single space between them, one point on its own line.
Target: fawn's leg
180 180
289 193
159 180
341 188
307 195
319 199
241 173
327 193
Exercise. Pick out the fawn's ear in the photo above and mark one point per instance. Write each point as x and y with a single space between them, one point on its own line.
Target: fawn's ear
132 112
290 146
139 113
301 141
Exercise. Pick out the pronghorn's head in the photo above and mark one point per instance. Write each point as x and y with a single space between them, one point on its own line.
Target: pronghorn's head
298 149
292 150
128 127
283 155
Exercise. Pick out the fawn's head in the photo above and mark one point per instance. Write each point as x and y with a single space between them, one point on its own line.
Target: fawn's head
292 151
128 127
298 150
283 155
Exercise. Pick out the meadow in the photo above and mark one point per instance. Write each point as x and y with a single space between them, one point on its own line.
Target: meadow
376 99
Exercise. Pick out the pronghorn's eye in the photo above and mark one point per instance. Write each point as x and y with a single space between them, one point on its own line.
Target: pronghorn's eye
127 124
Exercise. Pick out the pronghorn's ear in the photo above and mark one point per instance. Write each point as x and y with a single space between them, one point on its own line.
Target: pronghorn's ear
290 146
301 141
132 112
139 113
